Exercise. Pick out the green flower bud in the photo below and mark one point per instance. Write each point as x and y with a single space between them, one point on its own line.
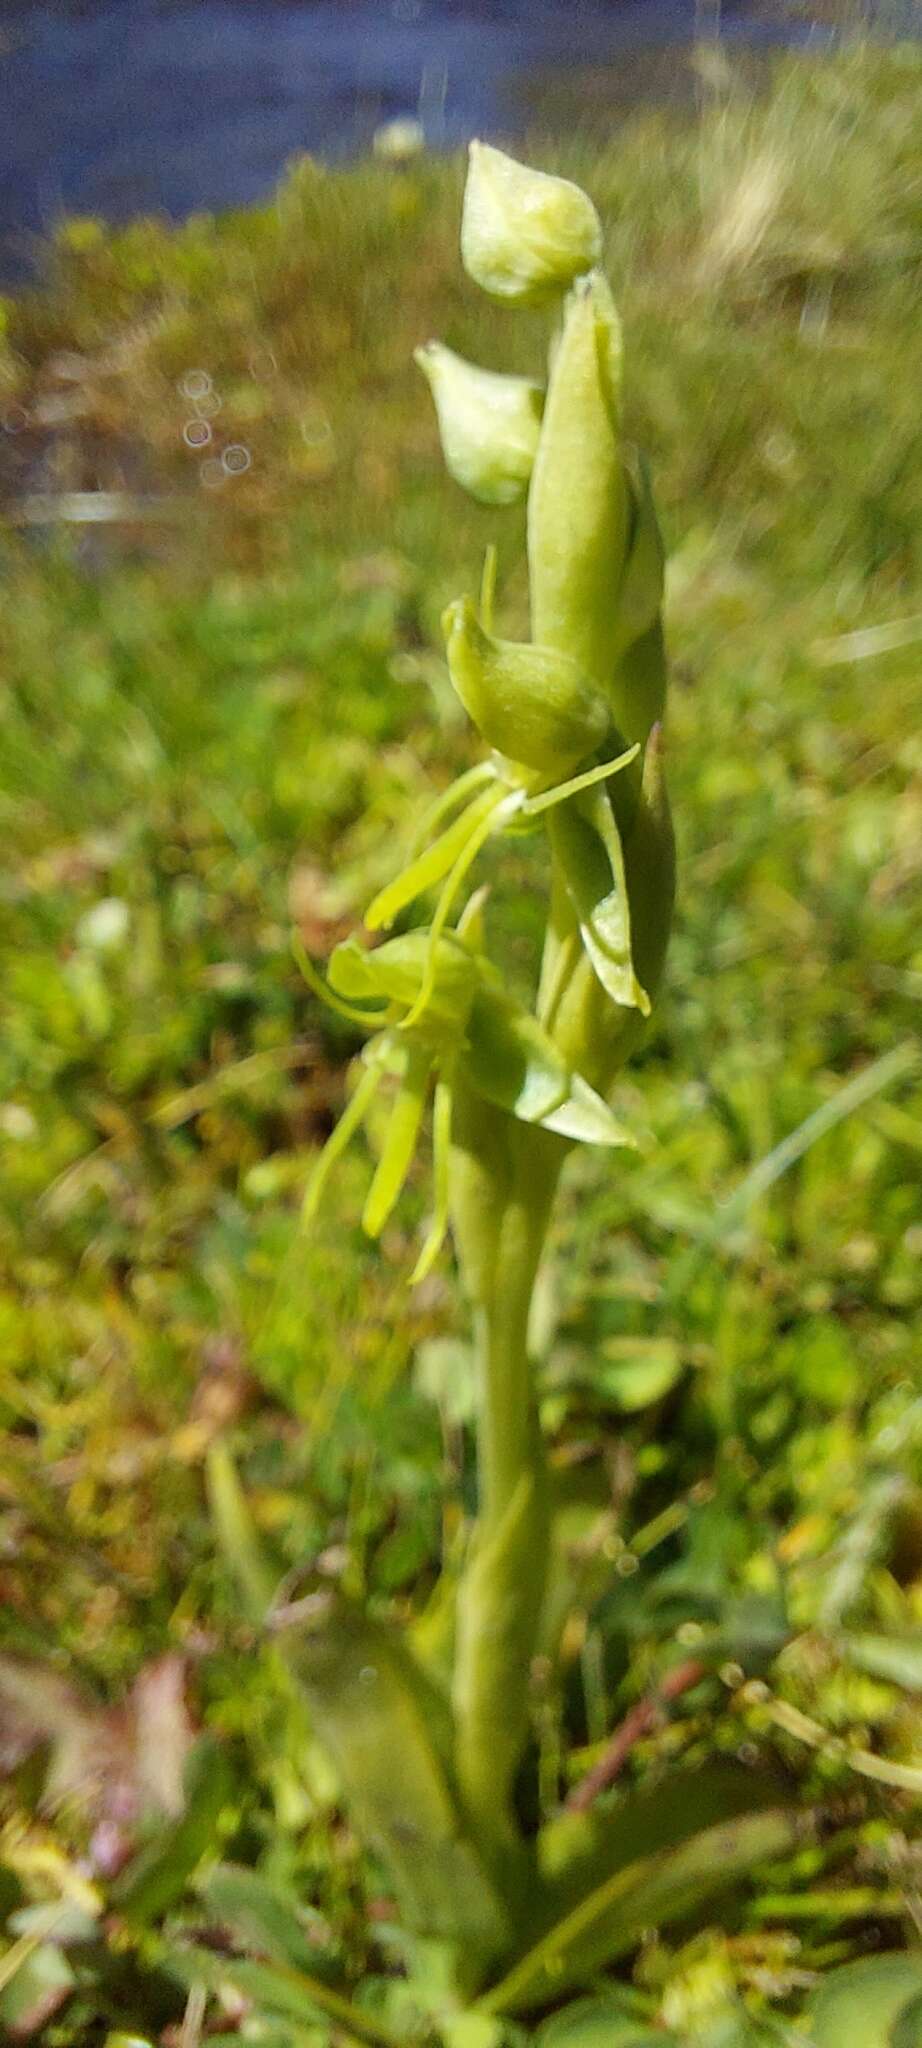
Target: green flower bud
579 505
489 424
532 704
524 235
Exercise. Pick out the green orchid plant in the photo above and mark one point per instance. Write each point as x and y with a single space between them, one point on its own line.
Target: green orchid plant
428 1732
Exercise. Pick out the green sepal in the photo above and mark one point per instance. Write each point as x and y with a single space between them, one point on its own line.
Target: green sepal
534 703
638 683
399 1142
510 1061
389 1730
431 866
641 593
397 970
586 843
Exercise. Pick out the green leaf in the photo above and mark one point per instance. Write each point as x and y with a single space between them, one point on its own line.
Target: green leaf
651 1892
512 1062
497 1613
35 1979
641 591
607 2022
279 1988
158 1876
388 1729
236 1534
637 1371
586 1117
908 2030
859 2005
261 1915
577 1851
897 1658
472 2030
587 846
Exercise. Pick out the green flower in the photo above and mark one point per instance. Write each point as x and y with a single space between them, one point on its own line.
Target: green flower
489 424
524 235
468 1029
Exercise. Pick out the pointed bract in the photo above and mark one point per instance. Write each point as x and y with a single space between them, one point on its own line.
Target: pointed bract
578 505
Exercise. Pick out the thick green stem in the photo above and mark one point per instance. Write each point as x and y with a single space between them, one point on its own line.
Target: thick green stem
503 1180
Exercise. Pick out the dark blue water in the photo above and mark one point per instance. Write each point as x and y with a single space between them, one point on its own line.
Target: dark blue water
118 107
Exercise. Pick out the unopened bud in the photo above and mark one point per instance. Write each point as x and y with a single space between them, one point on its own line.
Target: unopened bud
489 424
524 235
578 504
533 704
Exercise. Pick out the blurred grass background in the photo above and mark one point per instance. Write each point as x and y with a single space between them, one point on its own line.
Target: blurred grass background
220 709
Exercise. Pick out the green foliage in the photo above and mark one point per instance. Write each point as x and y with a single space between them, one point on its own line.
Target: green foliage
388 1730
869 2004
608 2022
609 1919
